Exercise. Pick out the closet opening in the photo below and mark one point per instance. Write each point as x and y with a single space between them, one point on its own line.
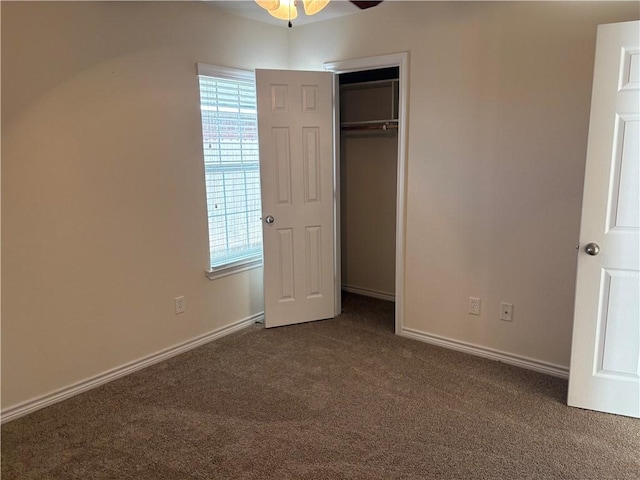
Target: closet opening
369 121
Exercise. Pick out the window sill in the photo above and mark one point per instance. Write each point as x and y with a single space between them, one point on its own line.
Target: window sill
213 274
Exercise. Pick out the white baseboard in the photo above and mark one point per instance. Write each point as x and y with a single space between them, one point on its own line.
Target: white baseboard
25 408
369 293
509 358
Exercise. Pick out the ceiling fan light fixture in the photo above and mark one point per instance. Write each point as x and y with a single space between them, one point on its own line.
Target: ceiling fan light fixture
286 11
269 4
311 7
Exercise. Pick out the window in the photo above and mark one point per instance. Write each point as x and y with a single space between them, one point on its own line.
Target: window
232 168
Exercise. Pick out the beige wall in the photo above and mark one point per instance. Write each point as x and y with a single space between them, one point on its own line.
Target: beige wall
499 100
103 202
103 209
368 211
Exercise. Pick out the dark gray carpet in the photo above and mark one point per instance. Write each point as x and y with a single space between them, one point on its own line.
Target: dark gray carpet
338 399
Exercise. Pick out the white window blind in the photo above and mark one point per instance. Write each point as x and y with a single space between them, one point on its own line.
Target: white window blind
231 162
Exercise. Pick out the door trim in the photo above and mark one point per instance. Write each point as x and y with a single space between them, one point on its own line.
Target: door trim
400 60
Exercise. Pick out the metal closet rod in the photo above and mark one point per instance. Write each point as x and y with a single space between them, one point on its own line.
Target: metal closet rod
370 126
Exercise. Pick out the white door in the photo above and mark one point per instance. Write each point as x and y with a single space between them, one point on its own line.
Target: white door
605 357
295 123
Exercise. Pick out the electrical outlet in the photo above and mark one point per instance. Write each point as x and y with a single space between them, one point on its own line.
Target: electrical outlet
474 306
506 312
181 304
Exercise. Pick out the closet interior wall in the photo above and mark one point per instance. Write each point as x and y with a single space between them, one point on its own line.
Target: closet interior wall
368 171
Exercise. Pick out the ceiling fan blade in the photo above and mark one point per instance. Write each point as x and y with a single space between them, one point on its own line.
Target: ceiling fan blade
365 5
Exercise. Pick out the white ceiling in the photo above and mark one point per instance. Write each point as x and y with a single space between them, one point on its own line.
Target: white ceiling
249 9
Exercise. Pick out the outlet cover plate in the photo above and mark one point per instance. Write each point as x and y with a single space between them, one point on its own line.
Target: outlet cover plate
474 305
181 304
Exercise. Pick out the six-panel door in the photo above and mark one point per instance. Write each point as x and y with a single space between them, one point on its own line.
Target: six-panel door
605 357
295 123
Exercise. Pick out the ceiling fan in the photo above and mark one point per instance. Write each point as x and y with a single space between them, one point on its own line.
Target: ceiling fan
288 9
365 5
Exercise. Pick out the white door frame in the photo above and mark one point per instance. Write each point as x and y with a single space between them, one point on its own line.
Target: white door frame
399 60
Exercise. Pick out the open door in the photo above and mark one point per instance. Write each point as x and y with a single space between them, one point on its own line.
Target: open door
605 357
295 123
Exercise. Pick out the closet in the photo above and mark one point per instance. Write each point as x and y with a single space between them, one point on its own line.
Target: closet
368 172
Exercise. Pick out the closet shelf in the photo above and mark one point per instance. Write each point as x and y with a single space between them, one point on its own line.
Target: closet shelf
369 84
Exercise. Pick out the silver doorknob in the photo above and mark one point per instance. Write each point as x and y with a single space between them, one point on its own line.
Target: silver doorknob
592 249
269 219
